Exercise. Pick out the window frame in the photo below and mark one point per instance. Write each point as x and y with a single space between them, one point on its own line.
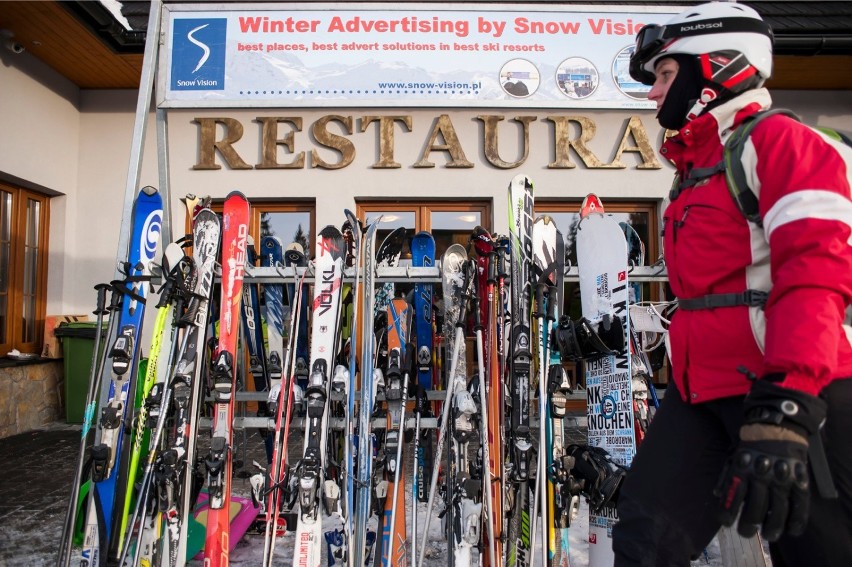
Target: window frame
17 259
422 210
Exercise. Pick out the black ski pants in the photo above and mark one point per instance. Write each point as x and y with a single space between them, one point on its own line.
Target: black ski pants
666 506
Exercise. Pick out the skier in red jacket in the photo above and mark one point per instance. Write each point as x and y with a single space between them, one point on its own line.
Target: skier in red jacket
758 419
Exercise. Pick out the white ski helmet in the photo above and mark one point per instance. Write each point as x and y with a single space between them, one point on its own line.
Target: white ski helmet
731 42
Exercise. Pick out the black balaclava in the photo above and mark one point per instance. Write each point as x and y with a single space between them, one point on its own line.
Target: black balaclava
684 91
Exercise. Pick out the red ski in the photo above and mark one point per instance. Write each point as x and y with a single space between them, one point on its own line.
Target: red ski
235 221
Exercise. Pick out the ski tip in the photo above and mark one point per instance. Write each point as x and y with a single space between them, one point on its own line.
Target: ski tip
521 180
149 190
396 239
424 235
544 220
371 223
591 204
237 195
483 242
270 241
295 247
453 258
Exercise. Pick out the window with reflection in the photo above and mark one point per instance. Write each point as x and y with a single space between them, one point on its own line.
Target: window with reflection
291 222
289 226
449 221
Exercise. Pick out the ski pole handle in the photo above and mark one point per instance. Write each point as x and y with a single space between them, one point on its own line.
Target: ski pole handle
477 313
538 308
493 261
100 308
116 297
551 305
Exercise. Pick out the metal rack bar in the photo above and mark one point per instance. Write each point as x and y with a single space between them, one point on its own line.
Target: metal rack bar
397 274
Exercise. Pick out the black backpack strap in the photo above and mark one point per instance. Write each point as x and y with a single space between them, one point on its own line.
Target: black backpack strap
694 177
735 175
750 297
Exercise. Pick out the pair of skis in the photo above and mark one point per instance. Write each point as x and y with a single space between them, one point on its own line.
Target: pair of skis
462 421
310 471
537 279
223 374
115 388
169 488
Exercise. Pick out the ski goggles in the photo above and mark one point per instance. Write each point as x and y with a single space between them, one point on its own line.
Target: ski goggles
649 41
652 38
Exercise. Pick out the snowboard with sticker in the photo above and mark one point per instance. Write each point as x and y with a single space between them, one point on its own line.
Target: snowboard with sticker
602 259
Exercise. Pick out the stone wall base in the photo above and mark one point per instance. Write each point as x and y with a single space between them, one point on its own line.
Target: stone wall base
31 396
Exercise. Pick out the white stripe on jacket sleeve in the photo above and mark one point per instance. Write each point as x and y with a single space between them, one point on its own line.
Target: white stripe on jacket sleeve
808 203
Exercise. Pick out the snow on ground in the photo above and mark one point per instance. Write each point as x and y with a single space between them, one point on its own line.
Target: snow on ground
249 551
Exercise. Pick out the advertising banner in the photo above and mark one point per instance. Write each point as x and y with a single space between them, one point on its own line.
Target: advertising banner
371 55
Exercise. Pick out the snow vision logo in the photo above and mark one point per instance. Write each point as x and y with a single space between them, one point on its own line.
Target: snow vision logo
198 54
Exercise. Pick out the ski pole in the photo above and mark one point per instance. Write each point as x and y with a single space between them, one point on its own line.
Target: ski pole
483 425
281 460
282 397
420 402
406 378
442 432
153 452
64 557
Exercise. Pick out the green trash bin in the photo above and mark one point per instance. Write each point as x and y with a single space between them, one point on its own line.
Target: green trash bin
78 342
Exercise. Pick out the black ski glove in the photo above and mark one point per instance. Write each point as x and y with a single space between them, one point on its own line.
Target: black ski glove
768 472
597 476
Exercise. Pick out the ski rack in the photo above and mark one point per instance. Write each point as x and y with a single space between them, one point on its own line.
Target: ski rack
396 274
409 274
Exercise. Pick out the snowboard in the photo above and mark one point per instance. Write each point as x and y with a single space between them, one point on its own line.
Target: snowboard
602 259
242 515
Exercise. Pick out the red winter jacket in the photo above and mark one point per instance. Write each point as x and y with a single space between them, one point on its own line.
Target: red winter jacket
802 256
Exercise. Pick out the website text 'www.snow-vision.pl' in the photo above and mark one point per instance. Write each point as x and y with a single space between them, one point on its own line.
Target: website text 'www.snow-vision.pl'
438 86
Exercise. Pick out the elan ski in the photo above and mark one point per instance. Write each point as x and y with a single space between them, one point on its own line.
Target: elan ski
521 449
108 455
423 255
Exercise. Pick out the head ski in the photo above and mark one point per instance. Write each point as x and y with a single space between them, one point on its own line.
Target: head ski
235 221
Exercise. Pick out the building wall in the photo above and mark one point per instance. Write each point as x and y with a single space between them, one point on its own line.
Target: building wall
39 147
